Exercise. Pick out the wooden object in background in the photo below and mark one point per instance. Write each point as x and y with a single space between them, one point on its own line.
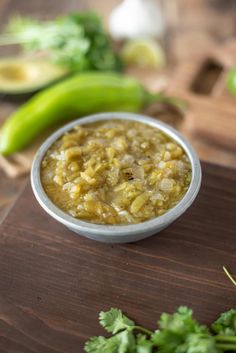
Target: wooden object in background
9 188
210 120
54 282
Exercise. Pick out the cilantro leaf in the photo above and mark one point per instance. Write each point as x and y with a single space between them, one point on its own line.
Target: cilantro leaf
102 345
167 341
198 343
226 323
144 345
114 320
123 342
175 331
95 344
181 322
127 342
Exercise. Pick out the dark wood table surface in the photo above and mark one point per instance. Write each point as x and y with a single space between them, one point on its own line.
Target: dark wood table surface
53 283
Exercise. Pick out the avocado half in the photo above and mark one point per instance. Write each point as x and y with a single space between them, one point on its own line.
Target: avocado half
20 76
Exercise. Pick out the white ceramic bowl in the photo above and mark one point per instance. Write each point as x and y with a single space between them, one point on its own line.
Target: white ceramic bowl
117 233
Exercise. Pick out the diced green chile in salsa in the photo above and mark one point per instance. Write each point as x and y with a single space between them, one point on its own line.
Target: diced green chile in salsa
115 172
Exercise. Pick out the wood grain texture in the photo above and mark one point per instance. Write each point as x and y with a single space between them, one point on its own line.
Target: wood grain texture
53 283
9 191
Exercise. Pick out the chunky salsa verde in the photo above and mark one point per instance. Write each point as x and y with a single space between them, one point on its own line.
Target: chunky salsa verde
115 172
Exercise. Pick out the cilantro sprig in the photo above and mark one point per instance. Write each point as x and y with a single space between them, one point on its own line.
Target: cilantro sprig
176 333
114 321
78 41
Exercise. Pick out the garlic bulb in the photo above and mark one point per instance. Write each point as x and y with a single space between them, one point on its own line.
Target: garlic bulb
136 18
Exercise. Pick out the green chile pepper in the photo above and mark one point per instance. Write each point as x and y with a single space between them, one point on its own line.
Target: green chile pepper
77 96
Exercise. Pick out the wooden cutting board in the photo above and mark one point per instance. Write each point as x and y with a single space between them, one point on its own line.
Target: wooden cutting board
53 283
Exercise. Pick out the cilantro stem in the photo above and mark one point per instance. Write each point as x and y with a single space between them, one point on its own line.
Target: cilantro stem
142 329
225 338
226 347
229 275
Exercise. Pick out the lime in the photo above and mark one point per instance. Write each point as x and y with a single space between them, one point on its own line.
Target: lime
146 53
231 81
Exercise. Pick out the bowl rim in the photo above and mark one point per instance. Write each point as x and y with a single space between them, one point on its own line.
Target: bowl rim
113 230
